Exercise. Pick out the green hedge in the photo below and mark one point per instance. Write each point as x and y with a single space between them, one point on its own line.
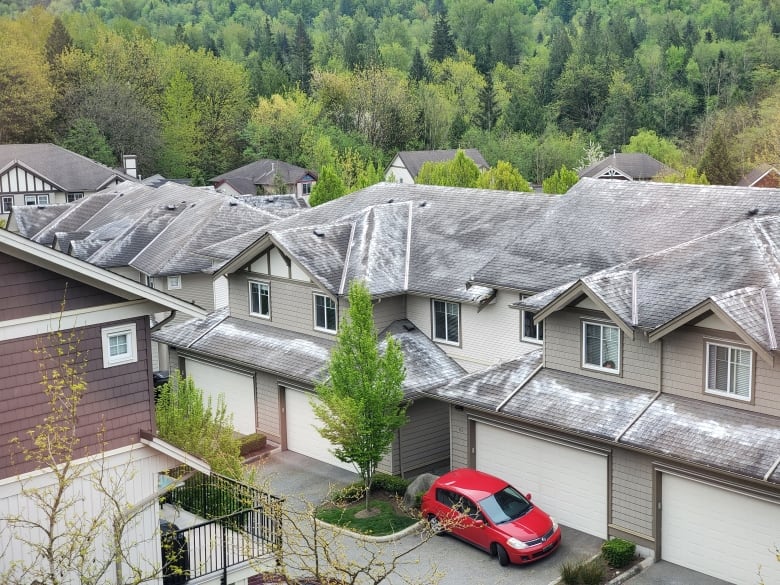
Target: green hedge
618 552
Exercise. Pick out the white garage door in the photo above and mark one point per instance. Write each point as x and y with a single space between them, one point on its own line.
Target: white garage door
718 532
302 436
569 484
238 389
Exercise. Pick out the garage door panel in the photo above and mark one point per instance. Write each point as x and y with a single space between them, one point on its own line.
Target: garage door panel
569 484
238 390
302 434
719 532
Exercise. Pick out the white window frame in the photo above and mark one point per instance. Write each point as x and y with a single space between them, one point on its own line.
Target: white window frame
37 199
306 187
130 355
730 391
328 305
448 337
7 204
74 196
260 285
538 336
174 282
602 358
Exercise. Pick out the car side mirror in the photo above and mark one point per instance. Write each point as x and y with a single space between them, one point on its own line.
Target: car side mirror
528 497
479 523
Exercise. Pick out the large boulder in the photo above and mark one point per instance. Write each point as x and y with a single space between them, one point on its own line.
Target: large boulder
421 484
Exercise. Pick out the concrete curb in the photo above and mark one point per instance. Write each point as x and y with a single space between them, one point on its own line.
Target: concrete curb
623 577
368 537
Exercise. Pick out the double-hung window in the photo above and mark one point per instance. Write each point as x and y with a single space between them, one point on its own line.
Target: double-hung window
324 313
729 370
119 346
529 331
174 282
259 299
446 321
36 199
8 202
600 347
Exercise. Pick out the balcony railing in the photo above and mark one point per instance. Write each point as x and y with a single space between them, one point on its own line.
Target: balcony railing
241 523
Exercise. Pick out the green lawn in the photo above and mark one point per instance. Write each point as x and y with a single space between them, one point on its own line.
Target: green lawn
387 521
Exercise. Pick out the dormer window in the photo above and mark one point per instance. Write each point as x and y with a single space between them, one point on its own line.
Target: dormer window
600 347
729 371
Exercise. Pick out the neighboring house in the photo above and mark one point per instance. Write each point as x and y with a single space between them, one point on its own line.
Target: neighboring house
45 174
406 164
266 177
151 235
43 291
764 175
628 166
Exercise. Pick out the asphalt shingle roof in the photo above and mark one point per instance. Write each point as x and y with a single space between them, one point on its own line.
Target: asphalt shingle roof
262 172
635 165
414 159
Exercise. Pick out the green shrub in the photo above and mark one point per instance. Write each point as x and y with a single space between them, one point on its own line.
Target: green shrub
390 483
570 573
252 443
618 552
593 572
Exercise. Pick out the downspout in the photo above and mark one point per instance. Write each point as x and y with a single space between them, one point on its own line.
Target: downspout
164 322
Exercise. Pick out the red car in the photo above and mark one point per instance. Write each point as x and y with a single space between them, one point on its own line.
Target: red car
489 513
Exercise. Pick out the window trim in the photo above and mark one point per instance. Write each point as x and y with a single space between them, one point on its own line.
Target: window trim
130 356
174 282
335 309
260 284
36 199
74 196
445 340
583 342
9 200
538 339
726 393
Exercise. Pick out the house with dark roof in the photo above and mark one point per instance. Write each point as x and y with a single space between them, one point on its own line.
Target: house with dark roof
47 174
611 350
43 294
626 166
266 177
406 164
764 175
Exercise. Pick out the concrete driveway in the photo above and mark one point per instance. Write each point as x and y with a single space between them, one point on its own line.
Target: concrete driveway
444 560
664 573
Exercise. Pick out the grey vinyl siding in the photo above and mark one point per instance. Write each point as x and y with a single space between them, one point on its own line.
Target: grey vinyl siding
563 351
389 309
632 493
195 288
459 438
27 290
292 303
683 372
118 399
425 439
267 405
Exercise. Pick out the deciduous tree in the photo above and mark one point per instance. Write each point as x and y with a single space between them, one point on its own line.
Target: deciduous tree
504 177
362 402
561 181
328 187
461 171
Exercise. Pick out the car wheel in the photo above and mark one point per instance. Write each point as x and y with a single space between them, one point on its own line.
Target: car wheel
436 525
503 557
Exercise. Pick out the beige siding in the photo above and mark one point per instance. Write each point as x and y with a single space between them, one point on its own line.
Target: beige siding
684 371
459 438
267 405
425 439
632 493
195 288
639 359
486 337
387 310
292 303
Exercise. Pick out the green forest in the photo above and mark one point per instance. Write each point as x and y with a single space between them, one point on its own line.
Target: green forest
198 87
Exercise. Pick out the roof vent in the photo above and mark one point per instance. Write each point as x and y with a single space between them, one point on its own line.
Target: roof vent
423 203
753 212
409 327
170 207
233 203
390 200
319 233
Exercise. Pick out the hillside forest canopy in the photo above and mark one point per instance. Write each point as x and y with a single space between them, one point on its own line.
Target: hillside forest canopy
197 87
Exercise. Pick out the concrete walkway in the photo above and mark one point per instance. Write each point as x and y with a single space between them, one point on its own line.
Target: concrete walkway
664 573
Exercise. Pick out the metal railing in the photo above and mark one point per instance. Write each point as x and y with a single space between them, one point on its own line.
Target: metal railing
242 523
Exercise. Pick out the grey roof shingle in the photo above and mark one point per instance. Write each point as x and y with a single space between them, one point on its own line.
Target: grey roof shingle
262 172
299 356
30 219
67 170
414 159
637 166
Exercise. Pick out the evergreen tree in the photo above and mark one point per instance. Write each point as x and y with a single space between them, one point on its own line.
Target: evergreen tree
503 177
362 401
360 50
85 138
58 41
457 129
300 58
488 106
442 41
561 181
419 70
328 187
718 162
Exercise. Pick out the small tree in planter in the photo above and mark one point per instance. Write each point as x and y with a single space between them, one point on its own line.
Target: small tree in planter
361 403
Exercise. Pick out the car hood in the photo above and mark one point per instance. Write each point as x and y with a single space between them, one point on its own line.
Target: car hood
534 524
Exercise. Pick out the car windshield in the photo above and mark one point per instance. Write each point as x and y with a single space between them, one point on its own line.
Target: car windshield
505 506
